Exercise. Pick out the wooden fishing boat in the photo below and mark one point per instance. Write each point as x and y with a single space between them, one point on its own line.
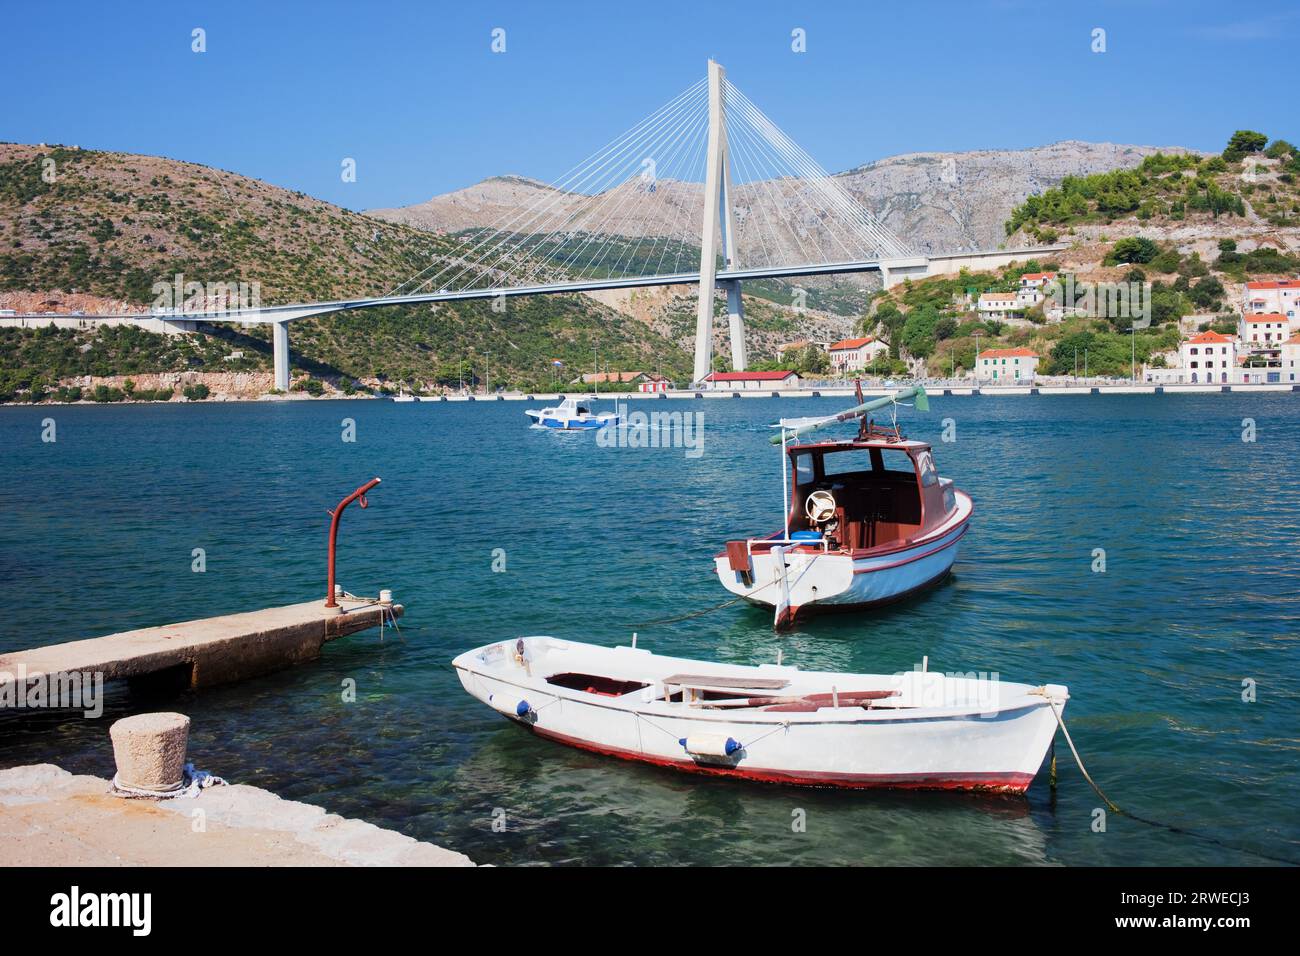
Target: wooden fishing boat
772 723
868 521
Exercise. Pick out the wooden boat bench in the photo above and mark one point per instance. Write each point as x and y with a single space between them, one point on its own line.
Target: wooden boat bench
694 686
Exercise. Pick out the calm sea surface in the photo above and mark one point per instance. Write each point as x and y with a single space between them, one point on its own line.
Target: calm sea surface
1200 530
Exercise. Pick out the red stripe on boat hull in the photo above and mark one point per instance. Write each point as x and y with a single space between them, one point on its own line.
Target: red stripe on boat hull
1009 782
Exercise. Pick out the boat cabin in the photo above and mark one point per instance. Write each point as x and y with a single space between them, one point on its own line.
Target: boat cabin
872 491
571 408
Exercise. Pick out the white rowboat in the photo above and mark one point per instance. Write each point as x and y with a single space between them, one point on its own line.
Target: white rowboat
772 723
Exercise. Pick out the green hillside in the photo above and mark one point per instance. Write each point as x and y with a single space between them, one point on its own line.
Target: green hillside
114 224
1246 177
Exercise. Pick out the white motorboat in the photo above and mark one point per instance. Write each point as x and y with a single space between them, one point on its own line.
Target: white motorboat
773 723
571 415
868 521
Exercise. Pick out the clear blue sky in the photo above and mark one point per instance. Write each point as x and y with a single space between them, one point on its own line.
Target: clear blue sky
414 93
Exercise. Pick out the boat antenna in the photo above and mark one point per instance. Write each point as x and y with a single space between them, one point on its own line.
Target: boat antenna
785 483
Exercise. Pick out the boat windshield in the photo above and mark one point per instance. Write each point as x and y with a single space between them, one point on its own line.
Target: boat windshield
860 497
862 461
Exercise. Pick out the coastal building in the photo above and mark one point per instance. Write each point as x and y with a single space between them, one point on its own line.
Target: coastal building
1290 357
614 378
654 383
853 355
1006 365
1263 330
1208 357
752 380
1031 288
999 303
1279 296
1161 375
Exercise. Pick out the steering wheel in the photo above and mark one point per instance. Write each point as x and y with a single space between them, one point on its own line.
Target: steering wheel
820 506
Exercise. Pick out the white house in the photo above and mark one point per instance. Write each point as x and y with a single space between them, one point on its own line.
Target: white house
1263 330
751 380
1007 366
1291 359
853 355
1031 287
1209 357
999 303
1281 296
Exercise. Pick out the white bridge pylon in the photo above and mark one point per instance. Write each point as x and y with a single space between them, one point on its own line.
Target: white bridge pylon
719 219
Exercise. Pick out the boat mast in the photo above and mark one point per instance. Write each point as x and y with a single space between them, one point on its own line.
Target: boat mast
785 485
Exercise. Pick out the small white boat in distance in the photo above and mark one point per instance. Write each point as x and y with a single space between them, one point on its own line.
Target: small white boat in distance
772 723
571 415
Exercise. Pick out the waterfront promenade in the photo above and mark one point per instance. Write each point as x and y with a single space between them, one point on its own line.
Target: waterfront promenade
847 391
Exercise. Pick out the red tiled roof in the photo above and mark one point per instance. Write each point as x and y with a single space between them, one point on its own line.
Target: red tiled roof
850 343
1279 284
1038 275
1206 338
1008 353
612 376
748 376
1265 317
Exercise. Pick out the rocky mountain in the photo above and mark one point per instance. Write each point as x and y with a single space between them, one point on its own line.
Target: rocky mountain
937 202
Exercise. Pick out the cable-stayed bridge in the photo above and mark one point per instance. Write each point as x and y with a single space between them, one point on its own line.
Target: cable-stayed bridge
706 191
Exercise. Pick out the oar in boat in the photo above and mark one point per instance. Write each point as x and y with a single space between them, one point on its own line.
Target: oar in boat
857 411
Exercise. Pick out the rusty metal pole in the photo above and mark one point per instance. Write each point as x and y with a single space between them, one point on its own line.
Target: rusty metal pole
360 496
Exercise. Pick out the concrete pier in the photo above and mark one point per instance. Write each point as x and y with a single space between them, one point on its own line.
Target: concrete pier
215 650
49 817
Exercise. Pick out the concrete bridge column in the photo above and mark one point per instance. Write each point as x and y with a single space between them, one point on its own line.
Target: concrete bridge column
280 348
736 320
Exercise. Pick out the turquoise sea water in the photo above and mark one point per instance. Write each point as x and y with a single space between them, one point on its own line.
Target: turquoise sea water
1200 531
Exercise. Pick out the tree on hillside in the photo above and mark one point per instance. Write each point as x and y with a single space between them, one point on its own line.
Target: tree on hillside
919 331
891 318
1244 141
1132 249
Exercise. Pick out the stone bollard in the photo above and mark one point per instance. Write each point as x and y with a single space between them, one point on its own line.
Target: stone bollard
150 751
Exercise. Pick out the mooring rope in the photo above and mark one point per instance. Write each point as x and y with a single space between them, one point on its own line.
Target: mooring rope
784 725
386 614
724 604
1156 823
685 617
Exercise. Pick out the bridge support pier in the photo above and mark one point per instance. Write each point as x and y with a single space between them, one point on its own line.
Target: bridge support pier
280 349
736 321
